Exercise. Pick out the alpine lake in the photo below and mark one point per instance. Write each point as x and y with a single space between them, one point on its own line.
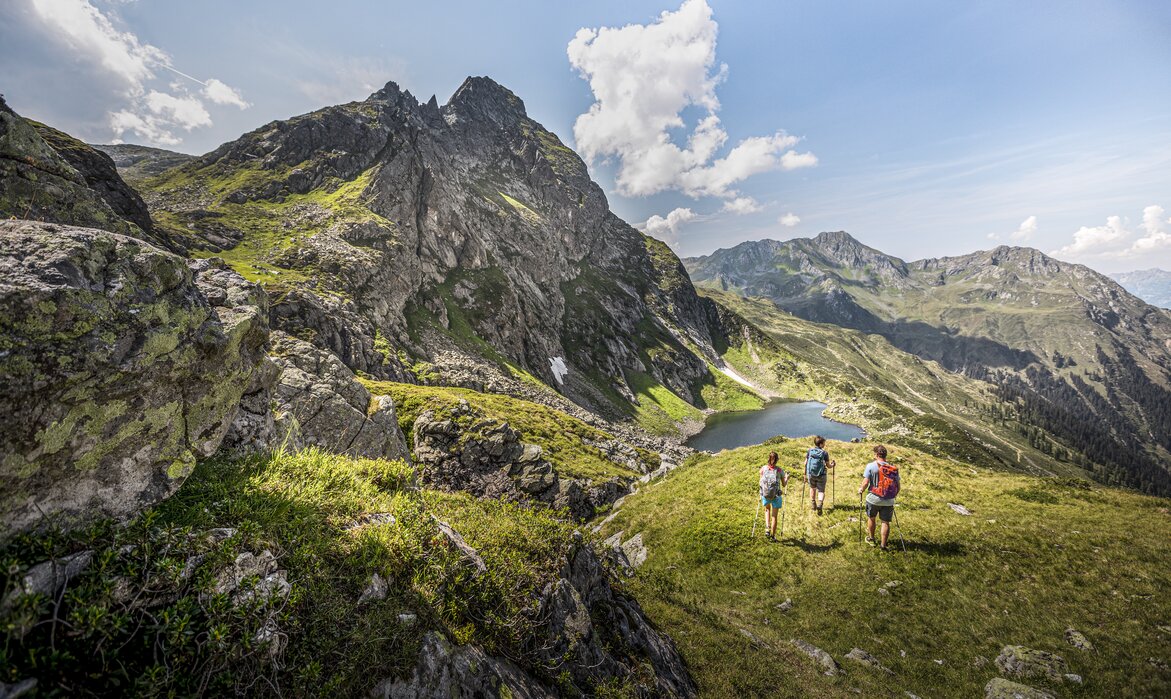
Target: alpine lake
786 418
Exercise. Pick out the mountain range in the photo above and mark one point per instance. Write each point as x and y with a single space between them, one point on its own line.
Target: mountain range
1069 350
388 384
1150 285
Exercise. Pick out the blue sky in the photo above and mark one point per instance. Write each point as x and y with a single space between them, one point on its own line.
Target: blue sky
923 128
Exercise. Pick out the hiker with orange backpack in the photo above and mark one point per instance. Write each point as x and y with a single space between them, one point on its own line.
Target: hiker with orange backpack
882 480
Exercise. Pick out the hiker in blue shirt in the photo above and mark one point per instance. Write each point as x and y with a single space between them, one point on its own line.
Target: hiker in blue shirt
882 480
817 464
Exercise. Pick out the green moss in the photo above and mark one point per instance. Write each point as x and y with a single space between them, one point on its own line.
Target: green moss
521 208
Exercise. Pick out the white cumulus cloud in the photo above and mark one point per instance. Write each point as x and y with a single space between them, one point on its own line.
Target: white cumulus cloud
643 77
1096 240
789 220
220 93
146 111
1154 226
1026 230
667 228
742 205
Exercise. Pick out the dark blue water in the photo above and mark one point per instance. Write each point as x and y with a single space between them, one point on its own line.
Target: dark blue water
731 430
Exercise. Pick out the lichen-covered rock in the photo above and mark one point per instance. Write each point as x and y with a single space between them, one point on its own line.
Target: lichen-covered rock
458 449
446 670
999 688
116 373
1020 661
825 660
46 175
318 401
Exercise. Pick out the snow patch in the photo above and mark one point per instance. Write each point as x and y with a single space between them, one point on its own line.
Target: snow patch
557 365
731 374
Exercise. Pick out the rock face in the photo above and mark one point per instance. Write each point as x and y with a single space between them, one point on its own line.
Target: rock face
448 670
116 371
484 456
595 632
467 224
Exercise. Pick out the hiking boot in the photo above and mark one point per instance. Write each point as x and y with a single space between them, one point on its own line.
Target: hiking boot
870 540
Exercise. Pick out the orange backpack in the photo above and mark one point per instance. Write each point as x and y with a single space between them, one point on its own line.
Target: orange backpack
886 486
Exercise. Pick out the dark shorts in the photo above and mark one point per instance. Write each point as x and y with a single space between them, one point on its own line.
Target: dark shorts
817 482
883 512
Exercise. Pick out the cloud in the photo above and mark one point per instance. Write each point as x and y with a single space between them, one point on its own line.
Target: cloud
667 229
1115 241
130 68
1097 240
1156 235
789 220
1026 230
742 205
221 93
643 77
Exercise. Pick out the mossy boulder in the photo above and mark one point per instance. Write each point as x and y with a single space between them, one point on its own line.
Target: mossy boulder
116 372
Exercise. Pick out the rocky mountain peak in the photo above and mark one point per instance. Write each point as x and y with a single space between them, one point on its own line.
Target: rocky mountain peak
483 97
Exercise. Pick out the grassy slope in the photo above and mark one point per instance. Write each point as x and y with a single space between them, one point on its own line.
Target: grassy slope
297 506
893 395
1037 556
559 435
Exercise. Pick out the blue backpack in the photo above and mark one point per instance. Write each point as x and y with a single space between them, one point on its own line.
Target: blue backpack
815 462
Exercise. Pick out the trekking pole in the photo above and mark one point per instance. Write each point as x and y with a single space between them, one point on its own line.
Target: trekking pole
833 488
860 514
899 528
803 479
755 517
783 509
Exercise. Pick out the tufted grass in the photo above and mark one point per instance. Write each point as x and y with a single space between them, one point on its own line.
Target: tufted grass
299 507
1038 555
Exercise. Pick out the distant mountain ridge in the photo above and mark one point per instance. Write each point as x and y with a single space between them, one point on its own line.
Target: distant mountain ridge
1073 350
1150 285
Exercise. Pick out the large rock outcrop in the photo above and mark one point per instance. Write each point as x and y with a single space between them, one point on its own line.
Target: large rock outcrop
46 175
462 450
116 371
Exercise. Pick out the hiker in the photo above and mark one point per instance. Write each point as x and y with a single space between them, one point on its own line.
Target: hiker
817 463
772 480
882 480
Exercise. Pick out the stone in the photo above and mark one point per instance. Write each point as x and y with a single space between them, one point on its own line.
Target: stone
447 670
371 519
470 556
23 688
1027 663
998 688
635 551
786 605
48 578
407 618
828 665
959 509
271 583
375 590
863 658
1078 640
116 372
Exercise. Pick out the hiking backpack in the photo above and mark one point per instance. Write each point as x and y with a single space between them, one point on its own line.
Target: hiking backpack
886 484
770 484
818 457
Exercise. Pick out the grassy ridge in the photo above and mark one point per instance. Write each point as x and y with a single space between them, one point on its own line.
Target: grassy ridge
302 508
1037 556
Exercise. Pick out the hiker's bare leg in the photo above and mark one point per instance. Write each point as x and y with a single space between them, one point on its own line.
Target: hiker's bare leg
773 528
885 532
870 527
768 517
